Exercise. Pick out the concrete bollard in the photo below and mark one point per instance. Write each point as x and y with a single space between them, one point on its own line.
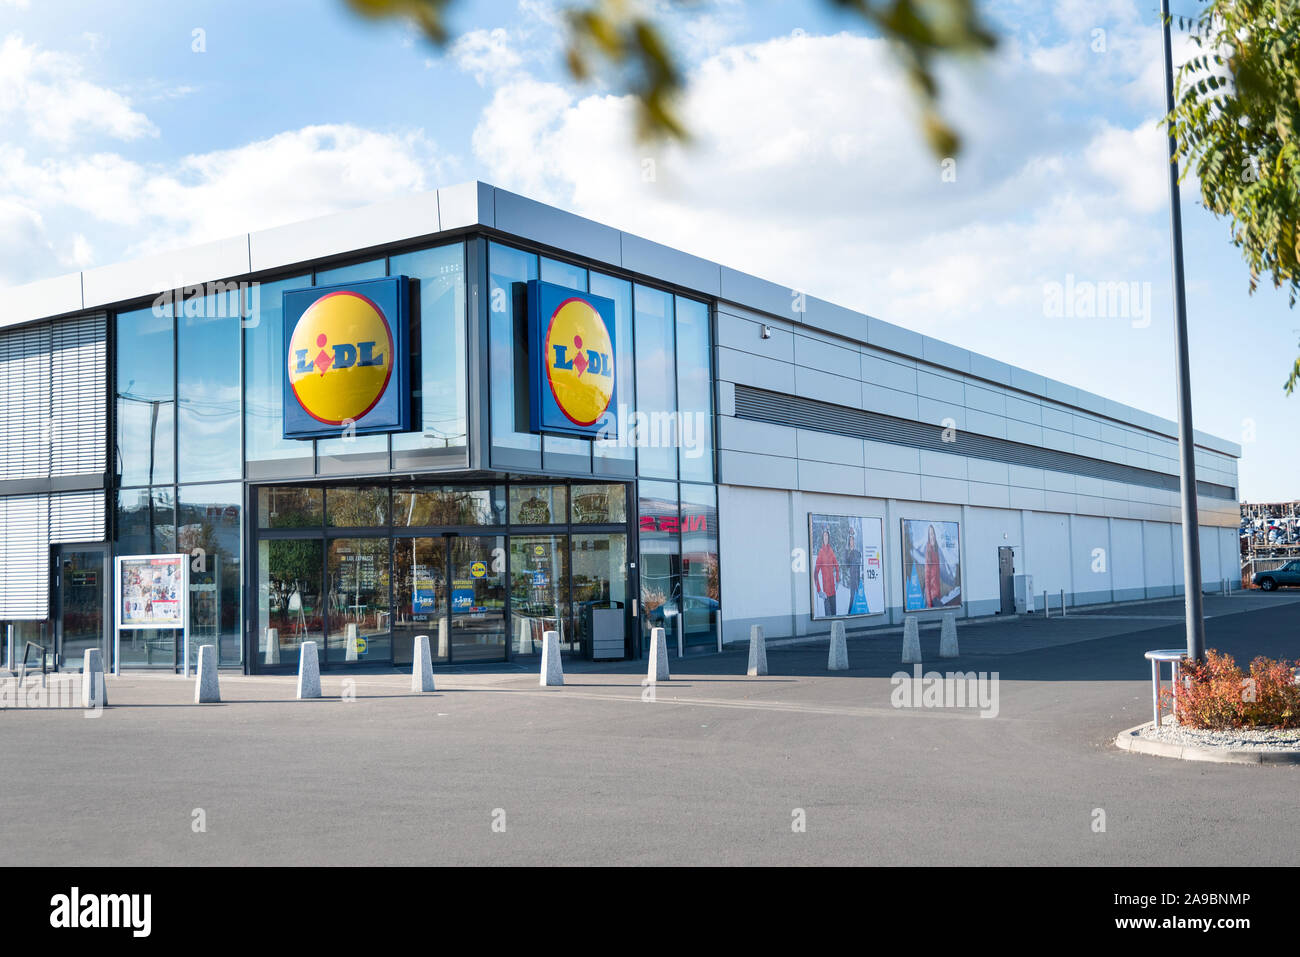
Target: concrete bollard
948 636
94 694
308 671
757 651
350 642
206 688
525 636
838 658
272 655
442 639
658 667
1062 602
552 667
421 666
1047 606
911 642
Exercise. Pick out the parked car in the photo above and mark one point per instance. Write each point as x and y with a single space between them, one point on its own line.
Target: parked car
1288 574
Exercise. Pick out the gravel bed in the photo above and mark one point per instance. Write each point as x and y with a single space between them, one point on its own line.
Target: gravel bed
1237 739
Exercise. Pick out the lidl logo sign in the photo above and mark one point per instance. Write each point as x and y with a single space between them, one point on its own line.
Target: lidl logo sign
346 359
478 569
572 361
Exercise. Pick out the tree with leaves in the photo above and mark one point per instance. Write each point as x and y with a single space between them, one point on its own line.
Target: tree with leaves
1235 121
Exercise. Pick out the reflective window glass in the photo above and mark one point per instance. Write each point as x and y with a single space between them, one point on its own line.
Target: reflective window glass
209 530
146 412
694 390
356 507
656 387
289 507
618 454
452 505
538 504
264 372
507 356
438 356
207 375
599 504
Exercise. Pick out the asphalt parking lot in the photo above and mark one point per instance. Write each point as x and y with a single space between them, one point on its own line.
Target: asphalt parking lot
492 769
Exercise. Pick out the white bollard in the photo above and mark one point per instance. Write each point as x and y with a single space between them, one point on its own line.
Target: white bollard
421 666
948 636
308 671
206 688
757 651
1062 602
525 636
350 642
93 692
838 657
442 639
272 656
552 667
911 642
658 667
1047 607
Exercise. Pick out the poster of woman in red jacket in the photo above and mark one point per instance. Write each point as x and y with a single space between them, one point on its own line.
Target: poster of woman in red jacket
847 570
931 565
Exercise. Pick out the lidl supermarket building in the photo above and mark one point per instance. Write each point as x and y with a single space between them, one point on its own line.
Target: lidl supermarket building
386 423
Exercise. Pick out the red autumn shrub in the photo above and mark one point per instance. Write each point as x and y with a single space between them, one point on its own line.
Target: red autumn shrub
1217 695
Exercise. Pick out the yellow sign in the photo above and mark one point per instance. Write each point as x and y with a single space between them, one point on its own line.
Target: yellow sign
579 362
340 358
478 569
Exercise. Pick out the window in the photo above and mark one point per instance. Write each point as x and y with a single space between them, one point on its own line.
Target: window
207 376
146 412
564 452
438 351
264 371
599 504
656 387
618 457
453 505
507 355
660 559
365 507
209 531
290 507
694 390
538 504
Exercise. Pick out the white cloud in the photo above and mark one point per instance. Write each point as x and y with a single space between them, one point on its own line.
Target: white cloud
46 92
487 54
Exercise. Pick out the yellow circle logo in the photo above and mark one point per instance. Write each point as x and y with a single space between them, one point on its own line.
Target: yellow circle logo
340 357
579 362
478 569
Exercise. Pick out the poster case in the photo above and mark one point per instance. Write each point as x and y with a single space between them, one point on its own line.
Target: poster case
846 554
931 565
151 591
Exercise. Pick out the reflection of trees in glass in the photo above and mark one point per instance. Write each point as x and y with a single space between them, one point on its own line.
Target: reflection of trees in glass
356 507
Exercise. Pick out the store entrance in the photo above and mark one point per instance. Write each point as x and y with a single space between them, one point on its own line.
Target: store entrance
451 588
80 603
485 570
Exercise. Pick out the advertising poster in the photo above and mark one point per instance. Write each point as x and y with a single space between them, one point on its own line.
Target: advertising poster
846 556
151 593
931 565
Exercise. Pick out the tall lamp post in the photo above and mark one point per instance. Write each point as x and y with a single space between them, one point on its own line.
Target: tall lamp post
1186 438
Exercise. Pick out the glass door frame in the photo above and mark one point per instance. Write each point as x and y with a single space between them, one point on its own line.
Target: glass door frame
57 553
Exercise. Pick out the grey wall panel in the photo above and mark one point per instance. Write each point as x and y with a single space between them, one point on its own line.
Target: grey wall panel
991 369
554 227
78 395
824 387
746 435
824 447
893 338
761 471
671 265
825 477
821 356
744 289
900 376
746 369
467 204
746 335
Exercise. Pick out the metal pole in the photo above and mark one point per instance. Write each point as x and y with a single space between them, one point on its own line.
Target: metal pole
1194 612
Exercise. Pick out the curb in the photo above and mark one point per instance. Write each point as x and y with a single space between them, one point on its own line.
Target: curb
1129 740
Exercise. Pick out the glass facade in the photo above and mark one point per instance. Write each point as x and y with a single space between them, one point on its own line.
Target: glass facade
364 543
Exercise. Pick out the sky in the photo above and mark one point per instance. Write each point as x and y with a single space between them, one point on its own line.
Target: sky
144 125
